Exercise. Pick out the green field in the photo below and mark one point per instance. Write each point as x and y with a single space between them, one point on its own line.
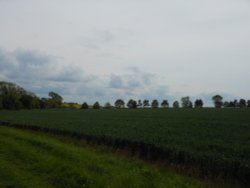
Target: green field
215 141
29 159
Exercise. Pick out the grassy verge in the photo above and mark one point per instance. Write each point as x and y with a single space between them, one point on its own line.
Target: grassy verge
29 159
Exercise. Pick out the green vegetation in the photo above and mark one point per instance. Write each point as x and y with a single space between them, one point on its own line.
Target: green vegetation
14 97
29 159
215 141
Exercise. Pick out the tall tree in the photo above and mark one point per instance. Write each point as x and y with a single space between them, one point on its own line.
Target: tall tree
11 95
96 105
139 104
165 104
217 101
155 104
242 103
56 100
146 103
186 103
176 104
198 103
119 103
85 106
132 104
248 103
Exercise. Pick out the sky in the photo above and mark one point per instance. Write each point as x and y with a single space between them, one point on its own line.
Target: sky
102 50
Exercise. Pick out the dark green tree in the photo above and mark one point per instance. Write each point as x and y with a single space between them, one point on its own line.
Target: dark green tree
217 101
176 104
242 103
85 106
165 104
248 103
132 104
198 103
56 100
139 104
186 103
96 105
146 103
119 103
155 104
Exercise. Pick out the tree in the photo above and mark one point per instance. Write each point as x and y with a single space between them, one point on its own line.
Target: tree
198 103
217 101
132 103
146 103
139 104
27 101
56 100
176 104
186 103
248 103
96 105
11 101
119 103
85 106
236 104
155 104
165 104
242 103
15 97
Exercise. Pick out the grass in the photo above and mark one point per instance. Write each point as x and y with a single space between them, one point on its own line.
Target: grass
214 140
29 159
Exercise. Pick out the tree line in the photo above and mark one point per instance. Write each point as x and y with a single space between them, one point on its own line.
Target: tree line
14 97
184 103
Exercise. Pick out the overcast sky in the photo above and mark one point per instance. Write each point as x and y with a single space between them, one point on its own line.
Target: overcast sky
88 50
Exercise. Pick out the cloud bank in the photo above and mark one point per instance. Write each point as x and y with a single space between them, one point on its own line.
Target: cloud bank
42 73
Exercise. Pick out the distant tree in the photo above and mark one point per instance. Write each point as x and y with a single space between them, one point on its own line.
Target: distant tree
27 101
55 100
96 105
186 103
248 103
107 105
139 104
85 106
11 101
198 103
146 103
155 104
176 104
15 97
119 103
217 101
242 103
236 104
132 104
165 104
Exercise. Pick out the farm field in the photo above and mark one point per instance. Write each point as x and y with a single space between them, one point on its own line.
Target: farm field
215 141
32 159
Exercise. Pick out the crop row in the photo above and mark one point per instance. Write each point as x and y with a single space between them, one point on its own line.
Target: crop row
206 165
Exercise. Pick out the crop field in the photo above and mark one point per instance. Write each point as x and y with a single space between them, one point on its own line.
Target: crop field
216 142
29 159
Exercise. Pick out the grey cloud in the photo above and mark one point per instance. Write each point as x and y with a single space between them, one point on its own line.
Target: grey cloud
116 81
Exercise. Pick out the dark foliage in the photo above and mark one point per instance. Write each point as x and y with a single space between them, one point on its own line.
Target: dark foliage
85 106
